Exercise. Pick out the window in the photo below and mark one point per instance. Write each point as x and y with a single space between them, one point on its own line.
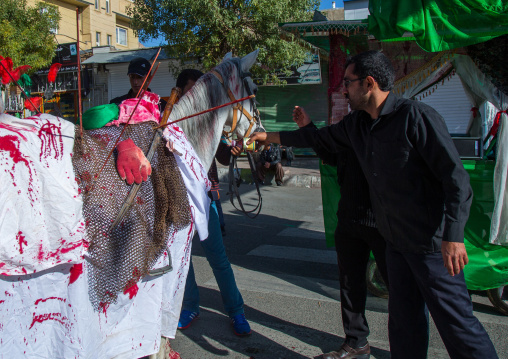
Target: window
107 6
121 36
44 10
98 38
110 40
97 4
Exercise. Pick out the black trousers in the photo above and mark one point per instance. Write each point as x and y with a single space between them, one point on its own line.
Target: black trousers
418 282
353 243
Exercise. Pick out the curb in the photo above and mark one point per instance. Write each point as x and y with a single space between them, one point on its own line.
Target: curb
290 180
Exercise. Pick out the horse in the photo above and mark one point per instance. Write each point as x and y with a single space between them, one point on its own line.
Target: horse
61 294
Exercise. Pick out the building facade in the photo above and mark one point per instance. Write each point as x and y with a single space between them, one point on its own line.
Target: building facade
101 23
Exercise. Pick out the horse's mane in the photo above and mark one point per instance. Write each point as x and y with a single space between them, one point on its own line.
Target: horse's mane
204 131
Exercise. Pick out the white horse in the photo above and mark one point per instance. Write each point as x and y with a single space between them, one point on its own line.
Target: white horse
53 301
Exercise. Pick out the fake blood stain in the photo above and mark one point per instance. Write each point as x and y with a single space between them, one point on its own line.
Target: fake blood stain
10 144
51 141
14 129
131 291
21 240
76 270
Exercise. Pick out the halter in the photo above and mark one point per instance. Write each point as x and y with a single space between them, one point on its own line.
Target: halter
253 119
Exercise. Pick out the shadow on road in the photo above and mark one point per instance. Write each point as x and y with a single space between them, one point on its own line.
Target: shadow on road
213 327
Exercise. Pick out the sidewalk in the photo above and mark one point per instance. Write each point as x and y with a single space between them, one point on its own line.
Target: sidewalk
303 172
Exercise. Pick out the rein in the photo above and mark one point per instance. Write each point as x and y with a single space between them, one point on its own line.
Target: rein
234 185
253 119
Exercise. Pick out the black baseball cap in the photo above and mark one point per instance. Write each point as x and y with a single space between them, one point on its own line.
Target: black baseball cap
139 66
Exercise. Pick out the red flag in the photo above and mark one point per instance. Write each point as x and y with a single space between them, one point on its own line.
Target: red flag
20 70
53 71
7 69
37 101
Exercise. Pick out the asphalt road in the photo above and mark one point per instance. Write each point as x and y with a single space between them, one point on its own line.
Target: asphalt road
289 283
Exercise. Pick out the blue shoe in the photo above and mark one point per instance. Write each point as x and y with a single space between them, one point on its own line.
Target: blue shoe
241 326
186 318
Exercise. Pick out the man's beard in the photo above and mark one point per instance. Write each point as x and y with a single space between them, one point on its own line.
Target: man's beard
357 103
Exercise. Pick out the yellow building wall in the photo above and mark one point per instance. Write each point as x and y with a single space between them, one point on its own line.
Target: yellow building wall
93 21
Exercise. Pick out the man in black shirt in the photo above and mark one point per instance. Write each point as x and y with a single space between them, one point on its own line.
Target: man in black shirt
420 194
137 70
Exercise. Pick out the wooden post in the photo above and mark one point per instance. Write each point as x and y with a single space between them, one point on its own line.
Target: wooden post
80 114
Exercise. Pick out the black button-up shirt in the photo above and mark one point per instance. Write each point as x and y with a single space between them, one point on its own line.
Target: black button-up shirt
419 189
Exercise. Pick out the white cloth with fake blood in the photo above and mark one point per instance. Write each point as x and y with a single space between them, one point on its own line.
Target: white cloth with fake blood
47 312
41 221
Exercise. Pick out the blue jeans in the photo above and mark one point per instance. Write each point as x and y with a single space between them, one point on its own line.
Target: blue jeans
216 255
221 215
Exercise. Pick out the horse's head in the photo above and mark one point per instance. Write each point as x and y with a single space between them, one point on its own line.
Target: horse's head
228 82
244 119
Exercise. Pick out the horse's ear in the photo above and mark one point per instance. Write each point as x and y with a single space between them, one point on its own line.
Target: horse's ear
249 60
228 56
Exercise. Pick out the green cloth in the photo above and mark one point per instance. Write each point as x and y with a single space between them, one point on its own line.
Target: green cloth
439 25
98 116
26 83
488 264
330 196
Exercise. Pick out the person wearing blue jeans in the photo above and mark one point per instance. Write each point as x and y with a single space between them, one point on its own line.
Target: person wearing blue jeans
231 298
213 246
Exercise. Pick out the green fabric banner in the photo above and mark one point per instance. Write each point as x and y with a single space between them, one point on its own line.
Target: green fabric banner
330 196
439 25
488 264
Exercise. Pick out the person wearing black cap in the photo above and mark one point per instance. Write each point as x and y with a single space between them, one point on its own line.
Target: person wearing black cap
138 68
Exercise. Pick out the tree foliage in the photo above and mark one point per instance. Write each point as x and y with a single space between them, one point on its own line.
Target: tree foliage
208 29
25 33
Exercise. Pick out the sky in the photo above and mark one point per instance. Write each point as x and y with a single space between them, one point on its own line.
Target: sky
325 5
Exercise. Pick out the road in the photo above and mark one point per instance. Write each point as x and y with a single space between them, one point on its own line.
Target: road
289 283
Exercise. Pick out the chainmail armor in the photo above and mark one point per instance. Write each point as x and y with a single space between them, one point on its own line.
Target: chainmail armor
117 259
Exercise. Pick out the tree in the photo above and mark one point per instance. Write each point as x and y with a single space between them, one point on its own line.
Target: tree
208 29
25 33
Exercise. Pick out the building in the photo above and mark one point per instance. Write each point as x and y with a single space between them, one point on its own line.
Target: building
104 26
356 9
101 22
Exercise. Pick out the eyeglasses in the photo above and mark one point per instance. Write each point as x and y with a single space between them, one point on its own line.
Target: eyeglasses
348 82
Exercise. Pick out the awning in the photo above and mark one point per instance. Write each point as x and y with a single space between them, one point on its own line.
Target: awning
316 32
112 57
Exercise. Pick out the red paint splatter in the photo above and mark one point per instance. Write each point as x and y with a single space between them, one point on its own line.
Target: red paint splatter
11 144
14 129
2 301
76 270
42 300
131 287
51 140
57 317
132 290
21 240
104 307
64 248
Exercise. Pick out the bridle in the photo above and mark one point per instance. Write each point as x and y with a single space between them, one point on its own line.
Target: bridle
238 108
254 119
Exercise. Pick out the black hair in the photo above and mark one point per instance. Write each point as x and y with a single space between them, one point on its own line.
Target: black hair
186 75
376 64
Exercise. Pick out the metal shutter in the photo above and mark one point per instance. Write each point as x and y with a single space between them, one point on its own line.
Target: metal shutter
450 100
